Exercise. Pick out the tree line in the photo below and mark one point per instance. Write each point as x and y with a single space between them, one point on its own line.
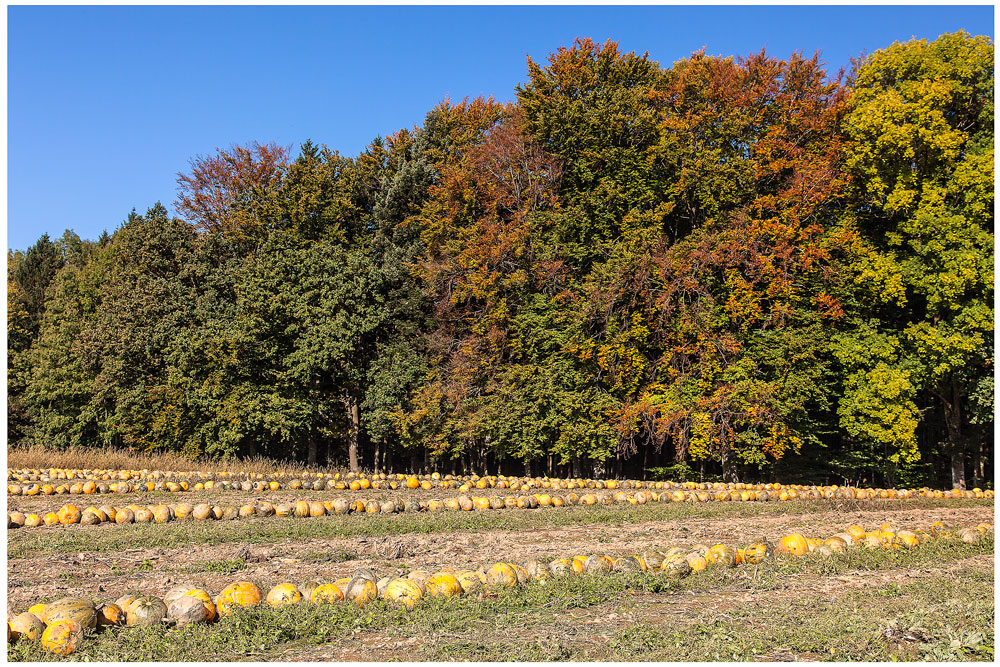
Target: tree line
737 268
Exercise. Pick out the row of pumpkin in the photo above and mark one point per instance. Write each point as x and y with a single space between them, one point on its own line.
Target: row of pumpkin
163 513
61 625
32 483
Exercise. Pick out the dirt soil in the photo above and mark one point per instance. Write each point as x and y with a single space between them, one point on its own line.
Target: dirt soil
154 571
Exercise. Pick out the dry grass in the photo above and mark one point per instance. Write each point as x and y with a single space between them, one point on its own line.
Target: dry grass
86 458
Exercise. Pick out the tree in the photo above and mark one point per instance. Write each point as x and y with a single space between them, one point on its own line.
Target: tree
234 192
921 154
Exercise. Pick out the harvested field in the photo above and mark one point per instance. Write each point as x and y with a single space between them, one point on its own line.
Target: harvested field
862 602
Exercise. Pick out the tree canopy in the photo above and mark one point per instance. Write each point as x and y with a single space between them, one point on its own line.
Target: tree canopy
736 268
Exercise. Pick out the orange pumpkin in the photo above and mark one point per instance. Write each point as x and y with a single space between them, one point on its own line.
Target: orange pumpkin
69 514
110 614
794 545
240 594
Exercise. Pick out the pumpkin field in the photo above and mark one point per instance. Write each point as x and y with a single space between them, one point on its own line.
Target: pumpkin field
120 564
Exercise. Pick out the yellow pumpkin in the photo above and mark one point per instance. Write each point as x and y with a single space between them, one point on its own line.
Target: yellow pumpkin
501 575
403 591
444 585
360 591
62 637
327 593
283 594
857 532
26 625
696 561
722 555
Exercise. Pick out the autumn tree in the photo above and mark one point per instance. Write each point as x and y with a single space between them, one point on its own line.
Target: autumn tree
234 192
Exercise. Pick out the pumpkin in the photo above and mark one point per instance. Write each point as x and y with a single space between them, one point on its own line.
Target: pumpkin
201 512
146 611
653 559
598 565
283 594
722 555
444 585
206 599
969 536
186 609
470 582
537 570
62 637
176 592
110 614
501 575
240 594
78 610
696 561
560 566
403 591
757 552
793 545
360 591
835 544
847 539
69 514
420 577
677 566
26 625
326 593
857 532
32 520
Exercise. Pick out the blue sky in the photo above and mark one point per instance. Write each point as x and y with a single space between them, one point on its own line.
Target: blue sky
107 104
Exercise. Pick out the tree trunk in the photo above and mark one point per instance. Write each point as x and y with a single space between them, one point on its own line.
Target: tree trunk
414 462
311 455
378 453
353 430
958 468
977 465
577 472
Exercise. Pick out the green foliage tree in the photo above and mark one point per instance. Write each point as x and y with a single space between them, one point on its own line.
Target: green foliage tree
921 153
